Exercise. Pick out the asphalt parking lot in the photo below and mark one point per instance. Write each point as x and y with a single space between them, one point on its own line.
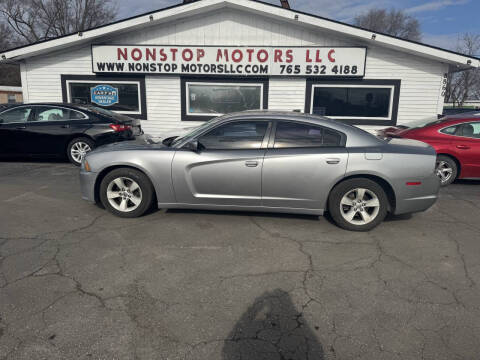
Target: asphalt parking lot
78 283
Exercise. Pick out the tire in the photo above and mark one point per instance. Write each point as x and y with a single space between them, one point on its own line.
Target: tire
132 192
77 148
446 169
343 203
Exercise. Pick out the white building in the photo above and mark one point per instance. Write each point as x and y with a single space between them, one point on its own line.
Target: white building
190 62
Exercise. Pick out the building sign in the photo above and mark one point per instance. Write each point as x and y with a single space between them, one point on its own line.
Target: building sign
104 95
230 61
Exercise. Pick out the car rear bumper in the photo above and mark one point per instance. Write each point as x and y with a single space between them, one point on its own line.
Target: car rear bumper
417 198
87 185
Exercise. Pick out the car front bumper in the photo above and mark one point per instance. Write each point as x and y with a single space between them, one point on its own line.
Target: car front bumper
87 185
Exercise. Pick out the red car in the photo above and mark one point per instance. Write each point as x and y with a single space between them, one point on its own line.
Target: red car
455 138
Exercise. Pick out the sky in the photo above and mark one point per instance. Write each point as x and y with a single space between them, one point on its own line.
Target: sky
442 21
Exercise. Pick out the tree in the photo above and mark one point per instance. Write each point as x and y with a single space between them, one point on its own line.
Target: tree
5 39
392 22
9 73
29 21
36 20
464 85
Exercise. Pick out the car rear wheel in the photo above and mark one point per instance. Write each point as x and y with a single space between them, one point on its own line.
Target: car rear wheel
446 169
358 204
78 148
126 193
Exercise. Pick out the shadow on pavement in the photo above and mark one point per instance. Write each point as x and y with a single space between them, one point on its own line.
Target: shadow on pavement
467 182
243 213
272 329
34 160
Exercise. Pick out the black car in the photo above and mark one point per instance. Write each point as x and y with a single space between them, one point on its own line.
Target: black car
61 130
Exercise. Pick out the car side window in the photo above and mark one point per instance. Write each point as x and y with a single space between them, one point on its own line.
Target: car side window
57 114
470 130
298 135
451 130
241 135
17 115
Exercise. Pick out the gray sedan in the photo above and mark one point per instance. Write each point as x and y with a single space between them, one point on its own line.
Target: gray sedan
267 161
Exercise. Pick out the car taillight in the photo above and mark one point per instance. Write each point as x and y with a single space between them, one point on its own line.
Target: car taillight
120 127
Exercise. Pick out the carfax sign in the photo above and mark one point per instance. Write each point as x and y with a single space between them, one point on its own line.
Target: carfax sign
104 95
230 61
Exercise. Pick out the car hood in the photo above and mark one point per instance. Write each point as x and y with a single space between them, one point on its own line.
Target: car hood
170 134
129 145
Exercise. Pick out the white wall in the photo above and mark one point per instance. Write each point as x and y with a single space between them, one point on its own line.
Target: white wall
419 94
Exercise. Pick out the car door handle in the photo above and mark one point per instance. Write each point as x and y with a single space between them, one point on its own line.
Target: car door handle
463 147
65 126
251 163
21 127
333 161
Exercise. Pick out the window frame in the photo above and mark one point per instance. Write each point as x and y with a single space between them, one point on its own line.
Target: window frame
9 97
273 134
35 109
208 80
99 80
263 146
460 126
394 85
16 108
457 126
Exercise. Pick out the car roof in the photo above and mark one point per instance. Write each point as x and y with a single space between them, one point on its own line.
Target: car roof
355 135
47 104
459 118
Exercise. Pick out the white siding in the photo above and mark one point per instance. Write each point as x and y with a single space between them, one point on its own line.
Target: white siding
163 104
421 81
420 78
287 94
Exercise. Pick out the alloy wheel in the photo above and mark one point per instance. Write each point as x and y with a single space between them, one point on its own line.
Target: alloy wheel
360 206
79 150
124 194
444 171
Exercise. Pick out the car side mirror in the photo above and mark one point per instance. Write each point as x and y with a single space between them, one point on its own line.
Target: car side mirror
192 145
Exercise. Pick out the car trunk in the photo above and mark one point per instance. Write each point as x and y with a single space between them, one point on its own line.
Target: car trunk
135 124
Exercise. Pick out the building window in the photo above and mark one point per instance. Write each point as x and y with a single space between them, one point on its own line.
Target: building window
203 100
121 95
12 99
369 102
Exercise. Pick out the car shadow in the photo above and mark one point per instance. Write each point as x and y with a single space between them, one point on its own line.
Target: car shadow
243 213
34 160
466 182
402 217
272 329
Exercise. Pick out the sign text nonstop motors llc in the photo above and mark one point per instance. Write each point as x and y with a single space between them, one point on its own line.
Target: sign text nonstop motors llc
243 61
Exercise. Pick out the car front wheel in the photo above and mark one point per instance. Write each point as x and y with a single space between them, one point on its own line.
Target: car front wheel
126 193
358 204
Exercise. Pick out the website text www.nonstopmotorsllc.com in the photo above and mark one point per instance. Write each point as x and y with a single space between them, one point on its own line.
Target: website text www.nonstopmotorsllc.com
260 61
172 68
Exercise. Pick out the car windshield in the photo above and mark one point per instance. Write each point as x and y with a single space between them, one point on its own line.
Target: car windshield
194 132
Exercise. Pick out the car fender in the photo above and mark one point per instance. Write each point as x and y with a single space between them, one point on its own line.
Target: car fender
156 168
373 175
